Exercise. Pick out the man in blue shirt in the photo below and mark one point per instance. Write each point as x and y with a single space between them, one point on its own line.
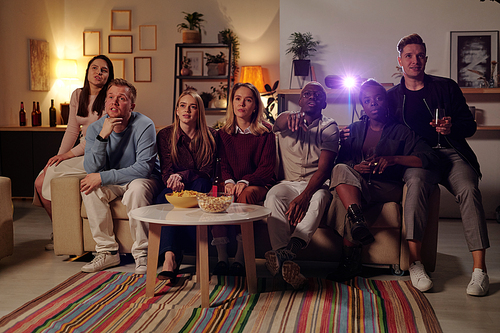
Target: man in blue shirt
120 156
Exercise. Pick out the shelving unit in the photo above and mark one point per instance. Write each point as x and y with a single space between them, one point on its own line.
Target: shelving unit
180 80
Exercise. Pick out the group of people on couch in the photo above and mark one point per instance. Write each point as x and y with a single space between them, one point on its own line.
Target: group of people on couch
366 163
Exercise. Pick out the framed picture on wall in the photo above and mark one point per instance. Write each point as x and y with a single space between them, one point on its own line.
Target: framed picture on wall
119 67
142 69
120 44
91 43
147 37
472 53
121 20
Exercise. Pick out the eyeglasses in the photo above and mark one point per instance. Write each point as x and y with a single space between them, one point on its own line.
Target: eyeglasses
316 94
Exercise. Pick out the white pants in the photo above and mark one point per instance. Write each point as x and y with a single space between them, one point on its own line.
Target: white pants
278 200
138 193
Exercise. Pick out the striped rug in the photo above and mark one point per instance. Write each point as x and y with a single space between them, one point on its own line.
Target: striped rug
115 302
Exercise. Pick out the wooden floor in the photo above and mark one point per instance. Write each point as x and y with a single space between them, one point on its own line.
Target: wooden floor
32 271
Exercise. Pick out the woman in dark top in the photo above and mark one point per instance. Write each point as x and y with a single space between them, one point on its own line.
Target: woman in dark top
369 169
186 150
247 148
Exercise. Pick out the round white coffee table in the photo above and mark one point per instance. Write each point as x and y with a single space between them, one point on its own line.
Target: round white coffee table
166 214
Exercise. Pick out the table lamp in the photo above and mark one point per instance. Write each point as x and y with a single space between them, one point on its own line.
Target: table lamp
253 75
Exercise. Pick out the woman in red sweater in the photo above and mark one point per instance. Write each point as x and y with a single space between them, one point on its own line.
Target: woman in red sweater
247 148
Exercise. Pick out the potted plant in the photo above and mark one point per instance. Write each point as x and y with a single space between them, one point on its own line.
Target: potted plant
271 101
228 37
206 97
186 66
191 32
216 64
301 45
220 95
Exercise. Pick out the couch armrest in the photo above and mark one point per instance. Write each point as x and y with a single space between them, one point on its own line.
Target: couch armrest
66 216
6 218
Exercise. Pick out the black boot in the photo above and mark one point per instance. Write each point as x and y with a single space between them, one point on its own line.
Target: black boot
359 229
349 266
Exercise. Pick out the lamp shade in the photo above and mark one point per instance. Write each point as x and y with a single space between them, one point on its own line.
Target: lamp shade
66 69
253 75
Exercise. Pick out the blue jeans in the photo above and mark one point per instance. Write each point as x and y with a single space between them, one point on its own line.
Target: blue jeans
177 239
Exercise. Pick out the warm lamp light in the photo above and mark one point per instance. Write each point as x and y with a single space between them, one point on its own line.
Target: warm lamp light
253 75
66 69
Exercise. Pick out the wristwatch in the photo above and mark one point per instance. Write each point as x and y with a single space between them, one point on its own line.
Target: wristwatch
100 138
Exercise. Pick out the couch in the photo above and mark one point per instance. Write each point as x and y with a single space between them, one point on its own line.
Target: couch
72 233
6 218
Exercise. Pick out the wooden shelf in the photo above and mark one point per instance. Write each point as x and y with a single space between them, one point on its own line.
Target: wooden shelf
58 128
480 90
488 128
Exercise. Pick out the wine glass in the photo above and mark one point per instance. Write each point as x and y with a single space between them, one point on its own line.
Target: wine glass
438 120
368 156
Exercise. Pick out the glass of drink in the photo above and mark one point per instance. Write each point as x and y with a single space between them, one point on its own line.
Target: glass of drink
438 120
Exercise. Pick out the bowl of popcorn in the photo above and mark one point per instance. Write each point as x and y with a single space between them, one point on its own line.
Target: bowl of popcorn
214 203
183 199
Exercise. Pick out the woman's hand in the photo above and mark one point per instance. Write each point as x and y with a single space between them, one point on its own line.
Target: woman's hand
175 183
59 158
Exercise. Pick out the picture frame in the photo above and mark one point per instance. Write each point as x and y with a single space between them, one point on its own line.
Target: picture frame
91 43
39 65
119 68
147 37
120 44
121 20
471 54
196 58
142 69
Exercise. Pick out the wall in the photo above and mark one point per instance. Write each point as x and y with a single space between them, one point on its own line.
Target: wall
62 22
359 37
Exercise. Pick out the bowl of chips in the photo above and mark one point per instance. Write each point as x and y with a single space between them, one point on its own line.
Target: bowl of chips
214 203
183 199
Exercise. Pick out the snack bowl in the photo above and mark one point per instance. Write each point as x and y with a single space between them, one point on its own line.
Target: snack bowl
211 203
183 199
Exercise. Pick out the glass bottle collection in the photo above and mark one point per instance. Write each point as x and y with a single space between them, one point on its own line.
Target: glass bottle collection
36 115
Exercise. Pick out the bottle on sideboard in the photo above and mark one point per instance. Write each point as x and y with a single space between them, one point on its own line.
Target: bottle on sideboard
52 114
38 114
34 116
22 116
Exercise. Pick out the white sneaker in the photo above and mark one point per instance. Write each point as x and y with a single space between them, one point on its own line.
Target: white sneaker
102 260
141 265
479 284
419 277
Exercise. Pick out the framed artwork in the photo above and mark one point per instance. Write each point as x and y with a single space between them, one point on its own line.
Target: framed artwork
142 69
120 44
147 37
196 58
39 65
119 68
121 20
91 43
471 55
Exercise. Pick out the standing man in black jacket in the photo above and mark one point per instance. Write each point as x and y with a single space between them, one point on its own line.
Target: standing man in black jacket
414 102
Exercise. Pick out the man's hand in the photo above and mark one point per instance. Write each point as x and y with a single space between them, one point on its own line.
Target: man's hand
444 126
108 126
91 182
297 209
175 183
296 120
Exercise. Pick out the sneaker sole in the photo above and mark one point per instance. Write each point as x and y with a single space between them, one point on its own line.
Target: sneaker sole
272 262
292 276
93 270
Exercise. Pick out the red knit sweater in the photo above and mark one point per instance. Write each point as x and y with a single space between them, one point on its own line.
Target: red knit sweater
248 157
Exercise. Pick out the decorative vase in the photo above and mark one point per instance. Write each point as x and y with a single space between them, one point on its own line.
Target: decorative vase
301 67
213 69
220 103
191 37
186 72
221 68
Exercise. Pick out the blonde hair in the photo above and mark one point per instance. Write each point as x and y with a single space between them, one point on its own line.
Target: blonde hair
256 126
203 143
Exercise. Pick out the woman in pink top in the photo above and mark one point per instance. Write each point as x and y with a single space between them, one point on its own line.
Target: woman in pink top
86 106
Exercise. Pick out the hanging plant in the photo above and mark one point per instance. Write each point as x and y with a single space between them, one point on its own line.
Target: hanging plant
228 37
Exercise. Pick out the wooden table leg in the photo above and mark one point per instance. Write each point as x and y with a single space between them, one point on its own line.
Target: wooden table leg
249 252
197 260
202 261
153 249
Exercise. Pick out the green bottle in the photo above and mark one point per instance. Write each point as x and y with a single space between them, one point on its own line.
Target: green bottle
52 114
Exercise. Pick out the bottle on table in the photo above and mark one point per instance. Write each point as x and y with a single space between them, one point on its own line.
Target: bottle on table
38 114
22 116
34 116
52 114
218 184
